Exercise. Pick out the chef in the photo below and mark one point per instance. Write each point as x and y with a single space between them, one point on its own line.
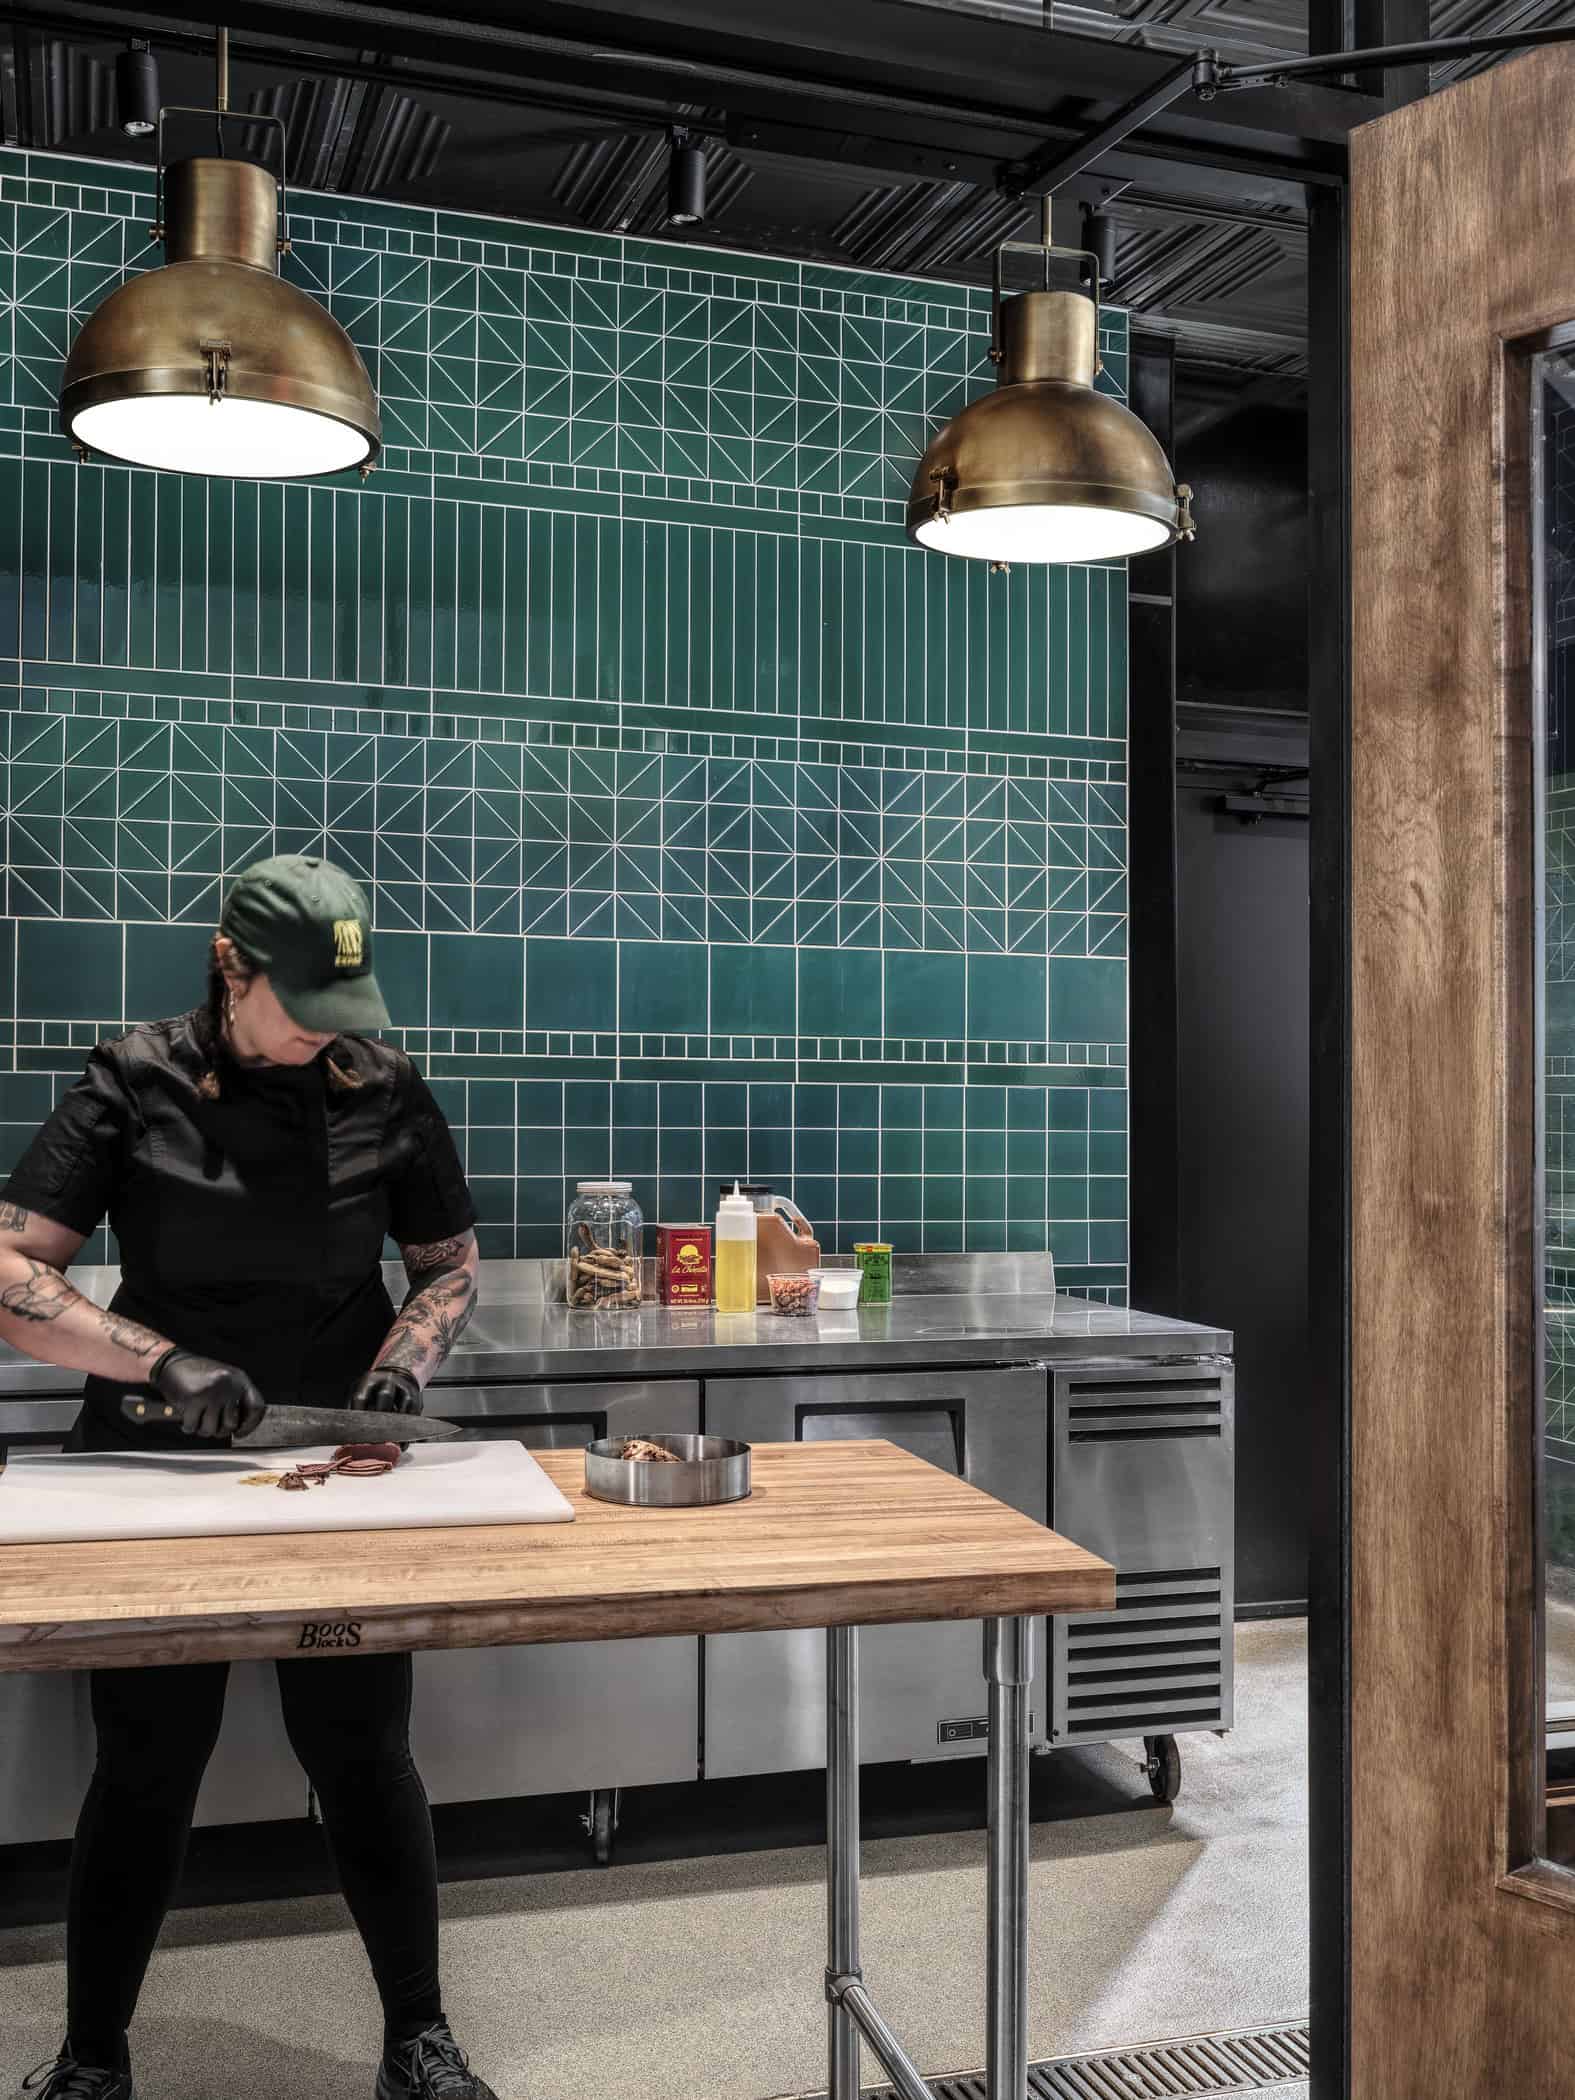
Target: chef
251 1157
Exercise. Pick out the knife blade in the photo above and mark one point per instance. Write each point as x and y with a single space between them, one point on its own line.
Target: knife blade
283 1427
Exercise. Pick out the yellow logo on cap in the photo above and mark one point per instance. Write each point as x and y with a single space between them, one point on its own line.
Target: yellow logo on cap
347 944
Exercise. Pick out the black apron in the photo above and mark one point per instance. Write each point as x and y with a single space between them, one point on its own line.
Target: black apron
250 1228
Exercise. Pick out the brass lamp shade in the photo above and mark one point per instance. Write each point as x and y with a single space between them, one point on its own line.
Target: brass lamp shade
1045 469
212 364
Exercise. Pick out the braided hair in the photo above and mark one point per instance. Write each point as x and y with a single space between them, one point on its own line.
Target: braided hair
209 1026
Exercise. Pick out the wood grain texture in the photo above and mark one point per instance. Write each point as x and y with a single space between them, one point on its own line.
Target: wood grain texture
853 1533
1463 1952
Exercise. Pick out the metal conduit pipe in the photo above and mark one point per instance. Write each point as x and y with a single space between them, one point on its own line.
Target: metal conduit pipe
1008 1667
894 2059
842 1856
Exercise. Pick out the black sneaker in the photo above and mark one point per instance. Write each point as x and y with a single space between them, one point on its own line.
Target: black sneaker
430 2066
66 2079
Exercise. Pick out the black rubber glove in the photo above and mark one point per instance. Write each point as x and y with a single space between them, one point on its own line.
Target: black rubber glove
210 1399
388 1390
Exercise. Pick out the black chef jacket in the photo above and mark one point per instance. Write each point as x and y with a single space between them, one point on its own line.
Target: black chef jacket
251 1228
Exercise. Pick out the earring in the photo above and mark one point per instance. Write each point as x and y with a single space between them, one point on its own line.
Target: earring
229 1007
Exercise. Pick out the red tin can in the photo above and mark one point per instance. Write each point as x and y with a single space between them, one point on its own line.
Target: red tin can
683 1264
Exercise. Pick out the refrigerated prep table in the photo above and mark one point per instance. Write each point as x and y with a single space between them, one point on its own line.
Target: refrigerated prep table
834 1535
1116 1427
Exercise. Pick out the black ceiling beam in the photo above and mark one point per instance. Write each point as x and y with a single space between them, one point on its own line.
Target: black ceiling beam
895 48
988 90
1203 76
603 115
1157 161
1044 172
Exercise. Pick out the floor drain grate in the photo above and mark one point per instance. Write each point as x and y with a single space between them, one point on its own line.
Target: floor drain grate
1258 2059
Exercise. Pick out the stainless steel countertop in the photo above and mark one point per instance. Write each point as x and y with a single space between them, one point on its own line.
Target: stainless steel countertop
549 1341
523 1338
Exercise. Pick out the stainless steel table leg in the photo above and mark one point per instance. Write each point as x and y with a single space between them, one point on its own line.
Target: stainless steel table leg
1008 1667
842 1853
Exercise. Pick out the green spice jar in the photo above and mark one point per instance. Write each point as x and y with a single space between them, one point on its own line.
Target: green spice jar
874 1261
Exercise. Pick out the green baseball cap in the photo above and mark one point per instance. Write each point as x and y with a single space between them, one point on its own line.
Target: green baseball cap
309 926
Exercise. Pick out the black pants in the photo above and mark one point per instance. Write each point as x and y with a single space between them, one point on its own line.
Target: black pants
348 1719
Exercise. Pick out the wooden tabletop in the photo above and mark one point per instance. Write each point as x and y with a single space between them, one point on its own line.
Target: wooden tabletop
834 1534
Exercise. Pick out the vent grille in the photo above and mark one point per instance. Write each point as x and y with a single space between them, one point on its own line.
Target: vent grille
1144 1411
1153 1666
1260 2059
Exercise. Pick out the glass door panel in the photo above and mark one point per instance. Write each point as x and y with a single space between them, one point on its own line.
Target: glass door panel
1553 454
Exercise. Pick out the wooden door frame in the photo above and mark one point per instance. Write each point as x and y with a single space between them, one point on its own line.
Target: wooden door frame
1457 1981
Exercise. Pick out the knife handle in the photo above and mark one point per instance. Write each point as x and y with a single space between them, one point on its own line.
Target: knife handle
146 1411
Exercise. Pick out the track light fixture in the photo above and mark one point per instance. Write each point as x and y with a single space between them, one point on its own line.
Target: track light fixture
137 89
1099 241
685 181
212 364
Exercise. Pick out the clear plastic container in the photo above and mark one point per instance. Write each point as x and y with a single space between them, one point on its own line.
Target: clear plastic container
794 1296
839 1288
602 1259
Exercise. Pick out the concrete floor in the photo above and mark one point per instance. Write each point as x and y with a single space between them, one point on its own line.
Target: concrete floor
701 1979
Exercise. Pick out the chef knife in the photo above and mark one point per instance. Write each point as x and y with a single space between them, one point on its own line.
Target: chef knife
283 1427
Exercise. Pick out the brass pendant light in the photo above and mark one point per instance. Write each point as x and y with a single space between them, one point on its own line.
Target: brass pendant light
212 364
1045 469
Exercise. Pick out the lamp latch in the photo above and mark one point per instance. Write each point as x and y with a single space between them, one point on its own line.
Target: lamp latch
947 479
1185 529
216 363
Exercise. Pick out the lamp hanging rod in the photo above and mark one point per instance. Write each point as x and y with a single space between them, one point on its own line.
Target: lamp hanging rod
1206 75
1379 58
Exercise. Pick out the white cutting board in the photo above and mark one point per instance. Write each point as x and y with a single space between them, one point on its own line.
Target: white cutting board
55 1496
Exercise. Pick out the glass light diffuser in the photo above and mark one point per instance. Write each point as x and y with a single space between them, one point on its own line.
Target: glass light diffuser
189 434
1042 532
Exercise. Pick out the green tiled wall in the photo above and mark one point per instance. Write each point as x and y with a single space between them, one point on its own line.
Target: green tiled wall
710 828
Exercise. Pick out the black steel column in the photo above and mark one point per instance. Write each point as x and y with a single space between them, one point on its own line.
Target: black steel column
1153 1075
1329 1137
1332 26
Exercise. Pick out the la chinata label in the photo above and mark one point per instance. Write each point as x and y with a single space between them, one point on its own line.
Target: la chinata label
683 1264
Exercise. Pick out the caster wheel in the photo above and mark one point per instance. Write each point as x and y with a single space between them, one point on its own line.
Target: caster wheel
1164 1766
603 1823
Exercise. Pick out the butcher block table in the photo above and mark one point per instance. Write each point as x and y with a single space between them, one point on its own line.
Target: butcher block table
834 1534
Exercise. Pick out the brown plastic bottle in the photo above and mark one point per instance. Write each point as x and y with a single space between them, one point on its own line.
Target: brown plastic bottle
785 1244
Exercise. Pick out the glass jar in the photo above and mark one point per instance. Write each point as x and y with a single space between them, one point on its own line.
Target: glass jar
602 1259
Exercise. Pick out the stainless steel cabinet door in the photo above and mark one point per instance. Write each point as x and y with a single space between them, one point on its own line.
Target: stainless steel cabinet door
1143 1466
921 1689
501 1722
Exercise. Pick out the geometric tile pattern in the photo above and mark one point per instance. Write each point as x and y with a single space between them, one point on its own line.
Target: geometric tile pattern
142 820
709 826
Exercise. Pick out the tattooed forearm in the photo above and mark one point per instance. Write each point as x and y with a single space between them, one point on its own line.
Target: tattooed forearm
436 1254
127 1335
13 1218
42 1294
47 1317
431 1322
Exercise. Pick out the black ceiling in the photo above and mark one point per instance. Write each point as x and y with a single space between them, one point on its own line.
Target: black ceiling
872 132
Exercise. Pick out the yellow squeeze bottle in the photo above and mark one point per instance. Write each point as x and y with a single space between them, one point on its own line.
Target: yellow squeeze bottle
735 1253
